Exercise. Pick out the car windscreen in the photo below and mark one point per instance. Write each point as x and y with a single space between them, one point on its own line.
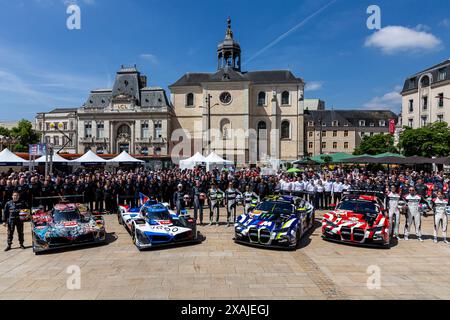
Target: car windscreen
156 214
275 208
358 206
66 216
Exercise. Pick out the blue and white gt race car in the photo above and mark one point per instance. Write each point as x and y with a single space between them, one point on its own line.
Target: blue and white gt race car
277 222
154 225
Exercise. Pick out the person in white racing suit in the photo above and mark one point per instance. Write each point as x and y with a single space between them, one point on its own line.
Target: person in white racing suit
230 200
248 198
413 201
394 212
214 203
440 216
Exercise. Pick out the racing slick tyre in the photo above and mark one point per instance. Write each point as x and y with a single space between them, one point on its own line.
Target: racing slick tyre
313 221
33 241
295 243
133 234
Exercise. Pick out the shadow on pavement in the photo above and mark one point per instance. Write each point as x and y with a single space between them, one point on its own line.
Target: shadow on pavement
110 238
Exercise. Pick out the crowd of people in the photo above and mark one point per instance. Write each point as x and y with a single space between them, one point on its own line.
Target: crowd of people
196 189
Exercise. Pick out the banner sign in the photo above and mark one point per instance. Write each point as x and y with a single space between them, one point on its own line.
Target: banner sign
37 149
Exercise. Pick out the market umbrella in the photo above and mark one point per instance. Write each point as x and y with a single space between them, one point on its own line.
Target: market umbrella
388 154
445 160
294 170
417 160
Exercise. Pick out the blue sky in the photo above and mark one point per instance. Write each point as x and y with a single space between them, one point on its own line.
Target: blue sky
44 65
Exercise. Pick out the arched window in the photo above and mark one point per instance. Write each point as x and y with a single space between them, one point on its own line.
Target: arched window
124 130
285 130
425 82
190 100
261 99
285 97
225 129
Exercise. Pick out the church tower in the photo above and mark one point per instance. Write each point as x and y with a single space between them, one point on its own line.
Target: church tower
229 51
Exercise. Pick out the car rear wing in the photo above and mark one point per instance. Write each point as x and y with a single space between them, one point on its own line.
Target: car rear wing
379 194
62 198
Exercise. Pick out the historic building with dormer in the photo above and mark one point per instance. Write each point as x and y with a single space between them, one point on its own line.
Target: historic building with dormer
264 110
129 117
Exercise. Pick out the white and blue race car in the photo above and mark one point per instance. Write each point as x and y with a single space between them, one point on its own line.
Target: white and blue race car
277 222
154 225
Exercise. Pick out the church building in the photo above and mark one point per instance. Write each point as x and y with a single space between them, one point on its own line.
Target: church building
249 117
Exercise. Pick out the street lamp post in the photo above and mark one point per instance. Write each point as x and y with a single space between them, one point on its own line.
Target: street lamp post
209 106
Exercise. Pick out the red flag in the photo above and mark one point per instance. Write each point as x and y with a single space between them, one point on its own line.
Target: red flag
392 126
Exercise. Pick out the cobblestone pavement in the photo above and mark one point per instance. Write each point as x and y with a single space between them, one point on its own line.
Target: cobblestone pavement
220 269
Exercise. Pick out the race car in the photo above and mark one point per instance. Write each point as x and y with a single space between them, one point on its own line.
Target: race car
277 222
360 218
66 225
154 225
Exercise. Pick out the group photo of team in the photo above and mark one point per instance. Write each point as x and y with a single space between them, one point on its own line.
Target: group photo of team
227 159
165 207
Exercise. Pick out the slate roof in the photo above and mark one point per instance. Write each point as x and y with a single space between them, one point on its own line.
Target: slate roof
256 77
412 82
349 118
64 110
129 83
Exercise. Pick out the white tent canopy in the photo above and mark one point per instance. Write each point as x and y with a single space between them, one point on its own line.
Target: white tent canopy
56 158
89 158
7 158
190 163
124 157
214 160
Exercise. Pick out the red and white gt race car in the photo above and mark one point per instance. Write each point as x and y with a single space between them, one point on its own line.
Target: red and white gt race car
358 219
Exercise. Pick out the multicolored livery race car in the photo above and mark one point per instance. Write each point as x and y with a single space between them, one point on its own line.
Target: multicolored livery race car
277 222
360 218
154 225
66 225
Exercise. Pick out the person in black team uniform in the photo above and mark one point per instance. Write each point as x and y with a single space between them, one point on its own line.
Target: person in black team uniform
11 219
198 203
178 199
99 197
34 192
89 193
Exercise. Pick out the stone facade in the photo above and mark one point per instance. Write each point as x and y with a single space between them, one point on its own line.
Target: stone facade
59 128
426 96
244 111
129 117
335 131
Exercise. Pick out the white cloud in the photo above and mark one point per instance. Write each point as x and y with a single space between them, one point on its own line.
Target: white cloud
149 57
389 101
445 23
394 39
313 86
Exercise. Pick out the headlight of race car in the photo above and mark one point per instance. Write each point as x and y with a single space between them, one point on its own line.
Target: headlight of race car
331 224
378 229
284 230
142 238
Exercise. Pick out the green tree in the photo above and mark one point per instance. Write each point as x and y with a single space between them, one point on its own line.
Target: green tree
5 132
376 144
432 140
25 135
